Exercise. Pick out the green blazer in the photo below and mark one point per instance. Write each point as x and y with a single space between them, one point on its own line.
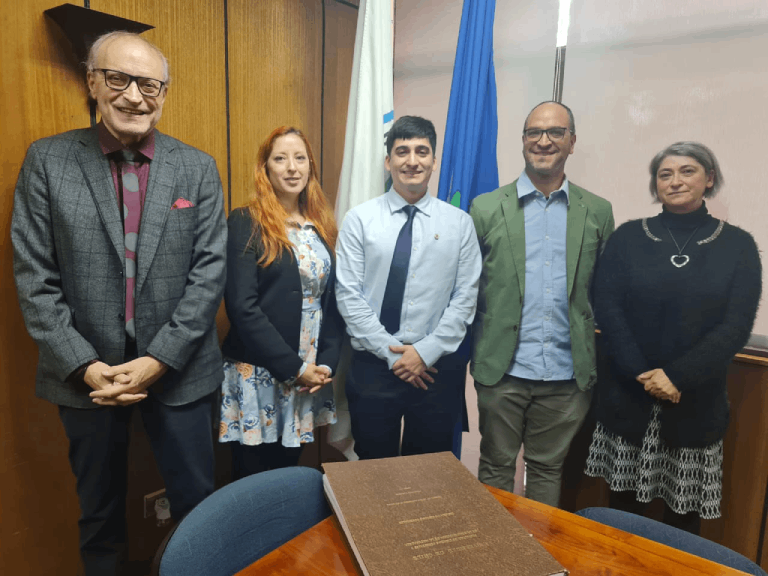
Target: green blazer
500 225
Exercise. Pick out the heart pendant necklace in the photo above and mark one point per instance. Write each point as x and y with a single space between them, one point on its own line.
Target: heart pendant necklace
679 260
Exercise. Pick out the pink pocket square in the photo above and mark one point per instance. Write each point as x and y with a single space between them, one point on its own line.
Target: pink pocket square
182 203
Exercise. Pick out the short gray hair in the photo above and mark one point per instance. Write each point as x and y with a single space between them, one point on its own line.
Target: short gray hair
93 52
698 152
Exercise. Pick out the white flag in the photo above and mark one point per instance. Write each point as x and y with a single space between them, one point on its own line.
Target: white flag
363 176
371 108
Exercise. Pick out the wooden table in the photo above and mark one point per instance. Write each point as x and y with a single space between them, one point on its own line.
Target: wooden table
583 546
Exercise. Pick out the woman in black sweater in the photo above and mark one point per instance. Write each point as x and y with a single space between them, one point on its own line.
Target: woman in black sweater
675 297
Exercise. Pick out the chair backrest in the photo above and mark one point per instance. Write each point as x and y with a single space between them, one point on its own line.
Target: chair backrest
673 537
244 521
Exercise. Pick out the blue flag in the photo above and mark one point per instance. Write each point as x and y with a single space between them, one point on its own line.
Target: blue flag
469 167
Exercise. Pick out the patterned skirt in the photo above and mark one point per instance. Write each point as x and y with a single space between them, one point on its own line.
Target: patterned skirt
688 479
256 407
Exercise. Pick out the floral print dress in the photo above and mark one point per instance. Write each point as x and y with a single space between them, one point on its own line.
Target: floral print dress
256 407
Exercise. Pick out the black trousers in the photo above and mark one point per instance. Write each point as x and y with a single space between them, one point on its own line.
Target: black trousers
182 442
380 403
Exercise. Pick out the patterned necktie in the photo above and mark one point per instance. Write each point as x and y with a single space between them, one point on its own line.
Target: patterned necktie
129 180
392 304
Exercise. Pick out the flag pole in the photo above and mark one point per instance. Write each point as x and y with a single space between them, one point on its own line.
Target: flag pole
563 22
557 92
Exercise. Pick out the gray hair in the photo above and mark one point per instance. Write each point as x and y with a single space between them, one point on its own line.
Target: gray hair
90 62
698 152
571 121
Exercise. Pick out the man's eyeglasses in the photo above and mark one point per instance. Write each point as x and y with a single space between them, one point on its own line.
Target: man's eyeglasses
120 81
535 134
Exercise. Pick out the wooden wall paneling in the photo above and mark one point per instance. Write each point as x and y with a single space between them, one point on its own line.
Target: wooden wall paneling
275 68
745 459
763 558
42 93
340 28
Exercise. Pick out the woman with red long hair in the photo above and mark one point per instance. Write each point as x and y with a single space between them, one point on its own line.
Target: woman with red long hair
285 334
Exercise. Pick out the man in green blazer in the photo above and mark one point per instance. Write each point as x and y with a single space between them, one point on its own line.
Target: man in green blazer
533 357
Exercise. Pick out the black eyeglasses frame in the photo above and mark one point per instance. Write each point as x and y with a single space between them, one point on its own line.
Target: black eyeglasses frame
131 80
546 131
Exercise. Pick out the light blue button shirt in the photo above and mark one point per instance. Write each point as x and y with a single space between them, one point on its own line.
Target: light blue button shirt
443 273
544 349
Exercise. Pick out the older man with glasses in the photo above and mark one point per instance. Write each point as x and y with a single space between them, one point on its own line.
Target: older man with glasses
533 357
119 260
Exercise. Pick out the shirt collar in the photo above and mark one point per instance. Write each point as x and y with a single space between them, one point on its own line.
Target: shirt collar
110 144
526 187
397 202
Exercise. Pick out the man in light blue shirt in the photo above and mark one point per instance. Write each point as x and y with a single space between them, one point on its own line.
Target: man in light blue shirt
533 356
407 275
544 345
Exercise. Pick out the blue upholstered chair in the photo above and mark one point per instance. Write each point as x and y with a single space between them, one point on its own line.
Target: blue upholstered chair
673 537
244 521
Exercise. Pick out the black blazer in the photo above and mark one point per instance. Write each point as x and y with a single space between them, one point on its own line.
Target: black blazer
264 306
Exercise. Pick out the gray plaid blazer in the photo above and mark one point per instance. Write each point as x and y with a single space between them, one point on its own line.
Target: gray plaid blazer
69 255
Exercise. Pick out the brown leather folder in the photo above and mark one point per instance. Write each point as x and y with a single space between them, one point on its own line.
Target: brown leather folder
428 515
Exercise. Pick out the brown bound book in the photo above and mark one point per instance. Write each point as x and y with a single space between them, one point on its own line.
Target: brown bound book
427 514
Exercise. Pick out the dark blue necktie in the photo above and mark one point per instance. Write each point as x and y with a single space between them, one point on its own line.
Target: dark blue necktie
392 304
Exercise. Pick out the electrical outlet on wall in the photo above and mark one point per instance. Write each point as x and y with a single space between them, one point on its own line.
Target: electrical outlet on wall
149 502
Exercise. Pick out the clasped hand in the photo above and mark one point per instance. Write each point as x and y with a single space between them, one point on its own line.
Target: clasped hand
314 378
123 384
658 385
411 368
